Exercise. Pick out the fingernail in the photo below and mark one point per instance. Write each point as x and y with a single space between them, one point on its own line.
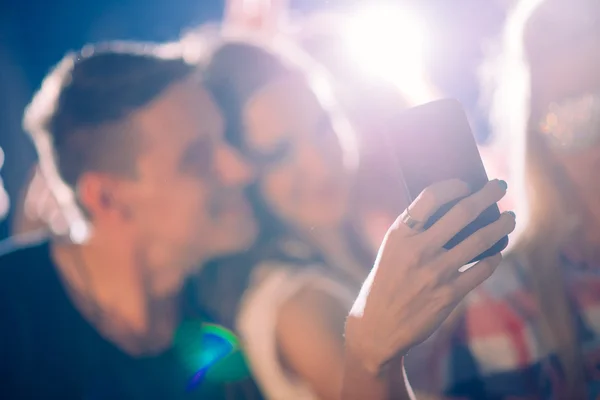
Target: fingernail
512 213
503 184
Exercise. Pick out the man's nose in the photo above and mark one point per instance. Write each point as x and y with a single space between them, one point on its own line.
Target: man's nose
232 168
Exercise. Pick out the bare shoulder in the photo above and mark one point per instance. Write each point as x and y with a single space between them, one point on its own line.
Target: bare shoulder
310 328
312 305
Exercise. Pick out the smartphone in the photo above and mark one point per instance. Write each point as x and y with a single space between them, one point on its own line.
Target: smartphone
433 143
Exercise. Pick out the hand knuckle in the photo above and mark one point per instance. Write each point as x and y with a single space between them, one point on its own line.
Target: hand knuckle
466 210
429 196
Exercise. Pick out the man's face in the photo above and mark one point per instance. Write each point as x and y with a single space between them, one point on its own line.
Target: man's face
187 203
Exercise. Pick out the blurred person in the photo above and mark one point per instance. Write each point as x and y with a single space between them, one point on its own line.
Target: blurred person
309 245
137 139
295 286
532 331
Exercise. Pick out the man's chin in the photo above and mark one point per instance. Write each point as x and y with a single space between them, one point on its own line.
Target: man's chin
168 281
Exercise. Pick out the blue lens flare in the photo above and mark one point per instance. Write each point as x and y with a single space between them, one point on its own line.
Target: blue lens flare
211 354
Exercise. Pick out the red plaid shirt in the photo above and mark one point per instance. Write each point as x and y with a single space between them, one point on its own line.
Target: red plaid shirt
492 348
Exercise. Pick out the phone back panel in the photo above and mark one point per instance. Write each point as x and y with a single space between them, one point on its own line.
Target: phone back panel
433 143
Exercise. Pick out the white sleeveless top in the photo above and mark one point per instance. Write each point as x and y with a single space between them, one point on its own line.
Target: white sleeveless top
271 286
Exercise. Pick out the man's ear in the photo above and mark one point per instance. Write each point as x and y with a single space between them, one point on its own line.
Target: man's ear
100 195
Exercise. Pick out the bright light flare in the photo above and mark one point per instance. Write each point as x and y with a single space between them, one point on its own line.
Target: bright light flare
390 43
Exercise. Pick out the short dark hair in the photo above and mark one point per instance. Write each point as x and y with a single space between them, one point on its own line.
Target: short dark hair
79 115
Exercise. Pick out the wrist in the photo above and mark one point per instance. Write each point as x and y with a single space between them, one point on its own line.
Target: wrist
366 353
361 382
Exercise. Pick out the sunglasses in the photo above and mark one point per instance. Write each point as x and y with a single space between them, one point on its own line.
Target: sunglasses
573 124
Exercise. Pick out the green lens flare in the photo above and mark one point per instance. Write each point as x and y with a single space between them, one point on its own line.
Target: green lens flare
211 353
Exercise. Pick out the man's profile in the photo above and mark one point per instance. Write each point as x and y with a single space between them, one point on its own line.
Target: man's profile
138 143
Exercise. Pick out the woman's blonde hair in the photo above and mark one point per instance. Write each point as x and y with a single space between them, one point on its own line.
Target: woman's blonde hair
548 214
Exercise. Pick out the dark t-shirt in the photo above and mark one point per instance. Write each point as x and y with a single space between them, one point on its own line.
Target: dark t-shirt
48 350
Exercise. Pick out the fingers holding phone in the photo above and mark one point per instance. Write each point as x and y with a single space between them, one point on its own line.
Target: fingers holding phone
465 212
416 282
481 240
429 202
434 143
